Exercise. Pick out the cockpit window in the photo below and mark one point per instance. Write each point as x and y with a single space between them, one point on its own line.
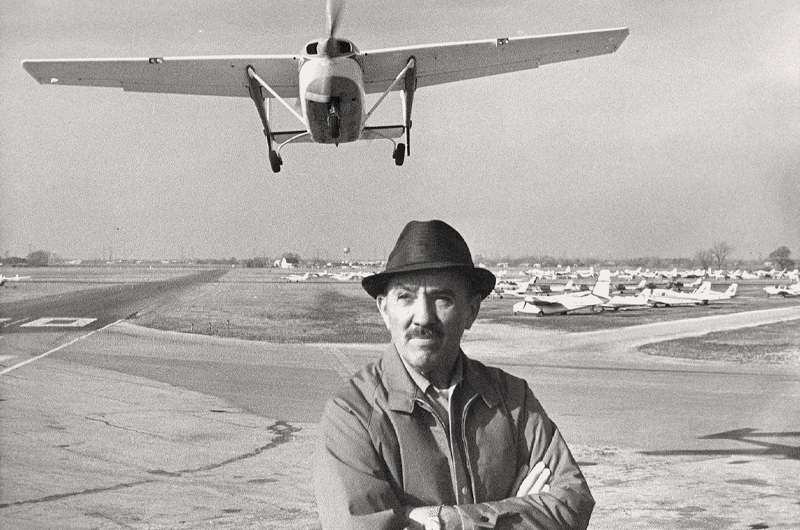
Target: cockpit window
311 48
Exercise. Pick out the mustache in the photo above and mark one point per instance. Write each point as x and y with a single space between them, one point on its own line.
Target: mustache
430 332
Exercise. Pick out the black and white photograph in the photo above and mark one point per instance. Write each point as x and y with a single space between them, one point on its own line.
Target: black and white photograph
340 264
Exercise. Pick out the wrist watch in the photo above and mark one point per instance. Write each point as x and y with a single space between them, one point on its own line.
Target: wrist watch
433 521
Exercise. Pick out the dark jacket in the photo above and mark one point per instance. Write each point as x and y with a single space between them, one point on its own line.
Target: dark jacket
382 450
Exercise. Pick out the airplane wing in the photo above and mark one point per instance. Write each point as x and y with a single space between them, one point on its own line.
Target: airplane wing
456 61
209 76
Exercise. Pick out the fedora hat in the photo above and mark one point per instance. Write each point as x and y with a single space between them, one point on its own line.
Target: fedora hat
429 245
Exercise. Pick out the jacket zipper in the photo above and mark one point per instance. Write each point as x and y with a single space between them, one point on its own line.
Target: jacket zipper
450 458
465 445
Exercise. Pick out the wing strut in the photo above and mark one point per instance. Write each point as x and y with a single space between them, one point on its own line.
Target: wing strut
409 75
256 83
409 66
408 100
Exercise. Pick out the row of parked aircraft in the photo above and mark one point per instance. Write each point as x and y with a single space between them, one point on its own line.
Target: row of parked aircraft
541 302
631 274
338 276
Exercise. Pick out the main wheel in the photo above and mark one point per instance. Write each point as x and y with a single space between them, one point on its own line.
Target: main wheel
275 161
399 154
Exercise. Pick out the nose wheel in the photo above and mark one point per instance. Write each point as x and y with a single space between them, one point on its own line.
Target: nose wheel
399 154
333 119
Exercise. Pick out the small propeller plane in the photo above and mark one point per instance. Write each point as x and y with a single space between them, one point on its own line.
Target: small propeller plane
17 278
330 77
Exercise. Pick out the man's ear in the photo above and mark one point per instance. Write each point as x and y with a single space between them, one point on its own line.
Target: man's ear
380 301
474 307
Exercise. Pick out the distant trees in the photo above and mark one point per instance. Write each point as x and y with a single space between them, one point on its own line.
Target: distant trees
258 263
720 252
704 258
781 257
39 258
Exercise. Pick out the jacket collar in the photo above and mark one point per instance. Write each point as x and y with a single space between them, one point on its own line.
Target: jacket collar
403 391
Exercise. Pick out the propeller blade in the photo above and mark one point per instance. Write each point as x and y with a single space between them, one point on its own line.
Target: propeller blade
334 10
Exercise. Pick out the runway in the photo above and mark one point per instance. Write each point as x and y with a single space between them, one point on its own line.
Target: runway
90 309
129 409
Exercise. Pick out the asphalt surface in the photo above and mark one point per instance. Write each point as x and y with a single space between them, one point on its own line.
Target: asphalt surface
92 309
109 425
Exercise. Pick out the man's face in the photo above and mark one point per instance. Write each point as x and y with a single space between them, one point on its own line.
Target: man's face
426 313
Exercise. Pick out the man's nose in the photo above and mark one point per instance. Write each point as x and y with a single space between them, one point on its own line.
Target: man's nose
424 311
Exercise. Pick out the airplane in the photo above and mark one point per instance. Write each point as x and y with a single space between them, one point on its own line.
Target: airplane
16 278
706 295
565 272
568 302
523 289
670 298
568 287
623 288
719 275
294 278
678 286
786 291
330 77
624 301
670 274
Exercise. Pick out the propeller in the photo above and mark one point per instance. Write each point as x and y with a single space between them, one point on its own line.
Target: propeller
334 10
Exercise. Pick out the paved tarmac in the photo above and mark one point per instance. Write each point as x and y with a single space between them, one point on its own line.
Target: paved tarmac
126 427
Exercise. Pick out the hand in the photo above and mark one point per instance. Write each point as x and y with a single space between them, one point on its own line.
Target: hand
531 483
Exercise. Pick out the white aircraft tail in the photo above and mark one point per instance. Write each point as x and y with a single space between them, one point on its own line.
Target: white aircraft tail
602 287
704 287
731 291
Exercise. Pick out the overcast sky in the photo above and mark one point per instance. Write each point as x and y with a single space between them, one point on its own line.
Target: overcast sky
688 135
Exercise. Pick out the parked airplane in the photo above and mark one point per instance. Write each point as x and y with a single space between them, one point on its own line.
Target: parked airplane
331 78
786 291
622 288
294 278
568 302
626 301
16 278
669 298
706 295
522 289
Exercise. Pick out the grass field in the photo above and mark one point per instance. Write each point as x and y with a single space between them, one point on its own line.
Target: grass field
257 304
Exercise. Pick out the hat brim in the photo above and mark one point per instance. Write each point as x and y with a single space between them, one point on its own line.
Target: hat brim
483 280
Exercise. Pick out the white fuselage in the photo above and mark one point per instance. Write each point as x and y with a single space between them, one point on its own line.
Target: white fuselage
666 297
332 85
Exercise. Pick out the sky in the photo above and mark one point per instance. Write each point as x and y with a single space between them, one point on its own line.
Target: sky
687 136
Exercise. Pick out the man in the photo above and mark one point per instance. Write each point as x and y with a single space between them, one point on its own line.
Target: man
426 438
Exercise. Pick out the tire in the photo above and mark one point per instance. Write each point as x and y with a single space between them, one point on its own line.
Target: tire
399 154
275 161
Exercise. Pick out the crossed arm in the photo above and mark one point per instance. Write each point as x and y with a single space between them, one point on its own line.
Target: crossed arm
357 482
527 482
